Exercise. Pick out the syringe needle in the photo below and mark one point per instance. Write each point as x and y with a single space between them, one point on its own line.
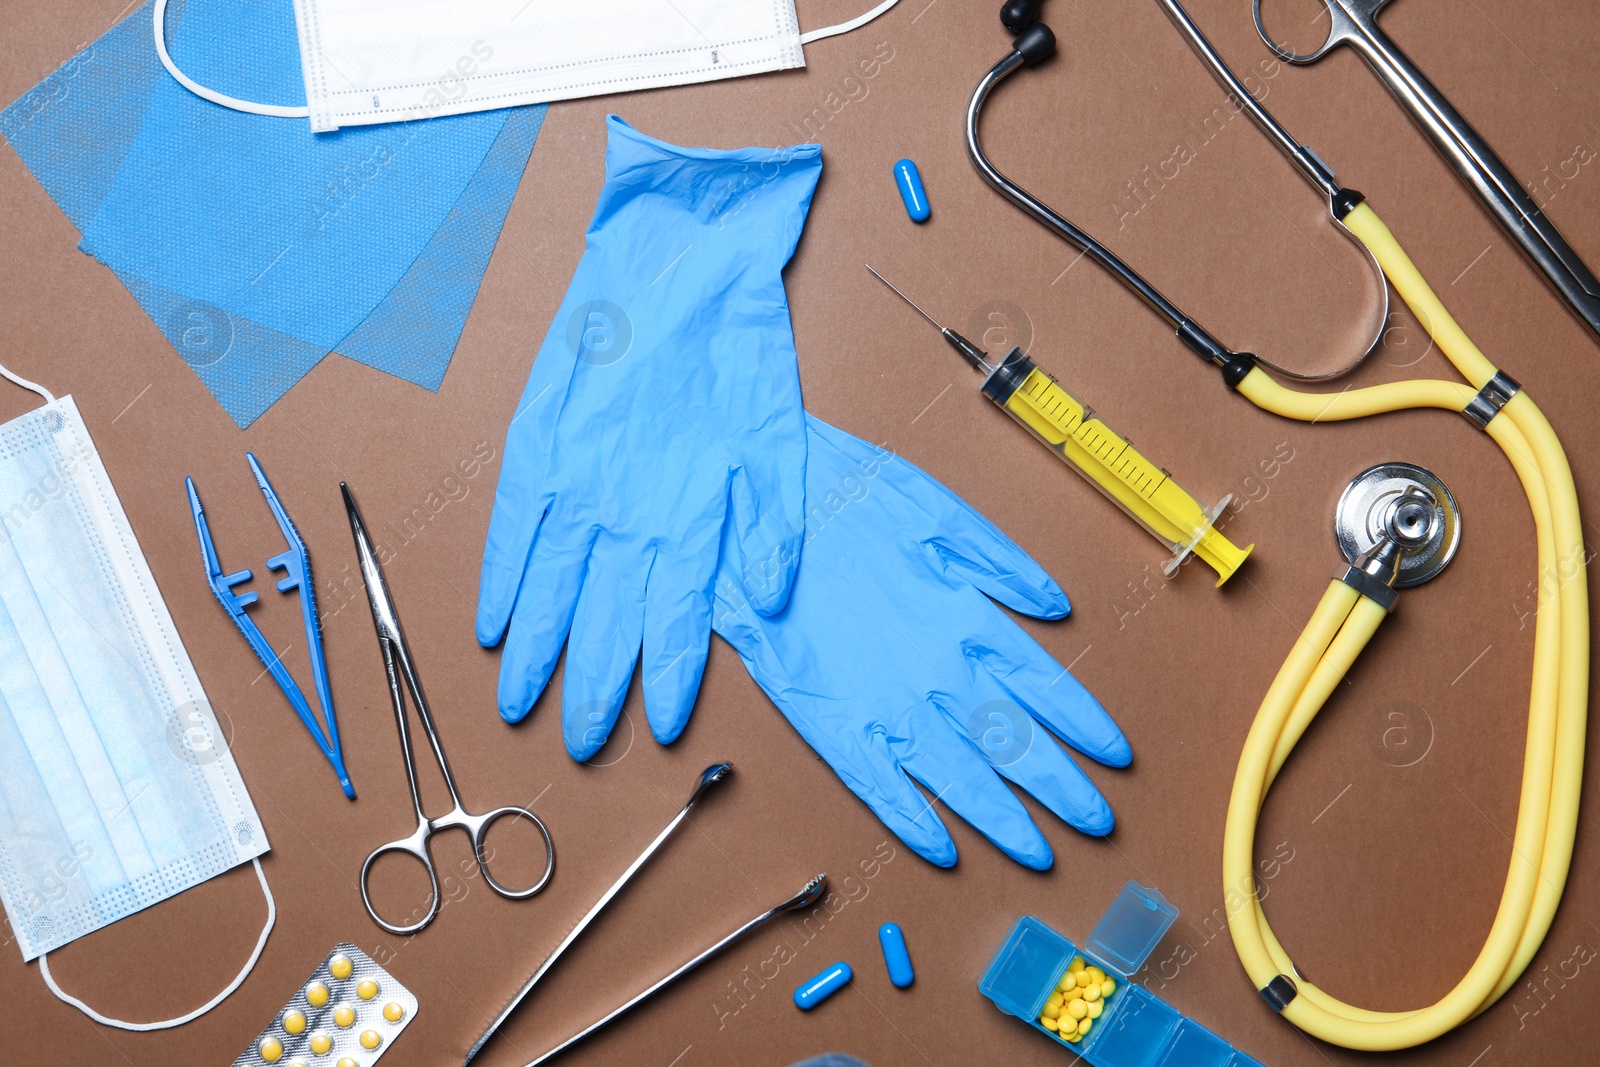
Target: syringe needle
937 324
969 351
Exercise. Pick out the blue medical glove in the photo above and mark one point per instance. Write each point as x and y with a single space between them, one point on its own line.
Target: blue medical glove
894 664
661 423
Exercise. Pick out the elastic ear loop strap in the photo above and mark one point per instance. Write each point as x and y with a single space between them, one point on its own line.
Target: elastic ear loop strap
248 106
261 943
845 27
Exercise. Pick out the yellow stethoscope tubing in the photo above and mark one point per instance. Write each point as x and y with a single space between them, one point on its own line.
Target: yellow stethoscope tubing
1341 626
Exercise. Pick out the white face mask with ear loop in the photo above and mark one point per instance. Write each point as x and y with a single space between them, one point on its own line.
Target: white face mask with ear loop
107 804
373 61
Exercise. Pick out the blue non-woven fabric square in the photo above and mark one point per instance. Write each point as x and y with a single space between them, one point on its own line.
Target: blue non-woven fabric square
78 129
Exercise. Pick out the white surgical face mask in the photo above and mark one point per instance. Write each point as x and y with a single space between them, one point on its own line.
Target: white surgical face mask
114 791
373 61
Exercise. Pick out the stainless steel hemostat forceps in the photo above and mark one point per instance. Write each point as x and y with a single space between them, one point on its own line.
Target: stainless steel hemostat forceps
1355 23
397 665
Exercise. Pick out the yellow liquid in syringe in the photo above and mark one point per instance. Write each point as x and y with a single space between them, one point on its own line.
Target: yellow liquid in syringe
1139 487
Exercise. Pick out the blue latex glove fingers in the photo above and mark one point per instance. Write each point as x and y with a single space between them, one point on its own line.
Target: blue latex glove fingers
677 634
540 619
964 542
767 501
603 643
943 760
520 505
1032 678
865 765
1017 746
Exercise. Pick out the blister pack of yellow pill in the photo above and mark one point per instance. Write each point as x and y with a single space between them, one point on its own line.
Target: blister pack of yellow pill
347 1014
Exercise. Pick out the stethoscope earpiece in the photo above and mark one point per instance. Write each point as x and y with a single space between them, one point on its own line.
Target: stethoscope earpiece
1018 15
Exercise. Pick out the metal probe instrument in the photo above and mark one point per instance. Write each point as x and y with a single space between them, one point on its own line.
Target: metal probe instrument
1070 429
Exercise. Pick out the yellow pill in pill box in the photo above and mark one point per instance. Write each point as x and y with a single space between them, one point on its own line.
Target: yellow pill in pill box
341 967
393 1012
271 1049
1077 1009
1081 977
344 1016
1084 1025
1067 983
1073 1037
367 989
1076 964
1048 1023
1091 993
321 1043
294 1022
1055 1000
1108 987
1094 1009
316 994
1097 974
370 1039
1075 993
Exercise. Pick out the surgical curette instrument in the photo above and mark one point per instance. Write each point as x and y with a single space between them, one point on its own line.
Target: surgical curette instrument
809 894
1070 429
397 665
1355 22
709 777
295 562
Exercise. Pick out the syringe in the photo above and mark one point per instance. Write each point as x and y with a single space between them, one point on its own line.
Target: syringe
1070 429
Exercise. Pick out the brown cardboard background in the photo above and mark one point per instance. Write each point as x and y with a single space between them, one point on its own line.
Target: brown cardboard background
1396 871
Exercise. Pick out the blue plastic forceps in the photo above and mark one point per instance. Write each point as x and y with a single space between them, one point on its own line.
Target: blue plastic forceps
296 566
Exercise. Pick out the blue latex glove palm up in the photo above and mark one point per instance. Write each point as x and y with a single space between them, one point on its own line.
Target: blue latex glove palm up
661 421
893 663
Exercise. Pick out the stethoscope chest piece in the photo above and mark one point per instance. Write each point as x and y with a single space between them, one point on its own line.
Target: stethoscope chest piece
1404 503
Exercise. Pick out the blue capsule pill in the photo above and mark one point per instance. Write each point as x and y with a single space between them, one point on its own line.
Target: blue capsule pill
815 990
912 193
895 956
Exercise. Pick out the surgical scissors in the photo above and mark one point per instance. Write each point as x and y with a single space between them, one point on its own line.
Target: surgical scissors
1355 22
397 664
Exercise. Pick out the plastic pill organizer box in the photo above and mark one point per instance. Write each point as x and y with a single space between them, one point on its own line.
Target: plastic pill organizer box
1134 1027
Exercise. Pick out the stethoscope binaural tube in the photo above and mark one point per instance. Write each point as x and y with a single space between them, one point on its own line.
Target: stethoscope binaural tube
1034 45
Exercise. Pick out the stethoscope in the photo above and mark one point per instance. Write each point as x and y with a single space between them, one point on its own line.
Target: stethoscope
1398 526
